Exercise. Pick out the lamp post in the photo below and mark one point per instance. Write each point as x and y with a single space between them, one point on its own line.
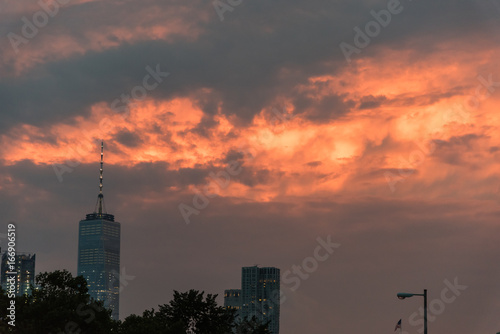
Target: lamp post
403 295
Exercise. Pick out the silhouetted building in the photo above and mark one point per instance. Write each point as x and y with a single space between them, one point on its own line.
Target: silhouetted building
99 253
260 295
232 300
24 269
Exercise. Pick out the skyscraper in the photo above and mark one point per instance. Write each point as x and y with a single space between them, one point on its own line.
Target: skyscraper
99 252
25 272
260 295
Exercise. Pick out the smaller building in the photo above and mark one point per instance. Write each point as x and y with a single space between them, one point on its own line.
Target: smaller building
232 300
24 269
259 296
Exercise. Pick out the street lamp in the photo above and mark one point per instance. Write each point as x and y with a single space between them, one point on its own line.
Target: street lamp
403 295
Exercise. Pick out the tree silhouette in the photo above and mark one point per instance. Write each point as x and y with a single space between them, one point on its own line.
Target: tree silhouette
251 326
191 313
59 304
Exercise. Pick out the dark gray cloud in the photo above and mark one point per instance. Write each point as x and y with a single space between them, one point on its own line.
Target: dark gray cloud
314 163
240 59
456 150
371 102
128 138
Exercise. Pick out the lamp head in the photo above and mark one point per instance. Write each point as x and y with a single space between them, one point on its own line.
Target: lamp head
403 295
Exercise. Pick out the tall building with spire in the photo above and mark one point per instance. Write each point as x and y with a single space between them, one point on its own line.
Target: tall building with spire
99 252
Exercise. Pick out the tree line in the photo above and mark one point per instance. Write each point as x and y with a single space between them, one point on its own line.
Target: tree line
60 304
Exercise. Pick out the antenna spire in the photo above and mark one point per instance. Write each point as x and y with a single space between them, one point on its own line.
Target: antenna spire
100 208
102 164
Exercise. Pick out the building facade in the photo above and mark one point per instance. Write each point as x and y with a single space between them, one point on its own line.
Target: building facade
24 269
260 295
232 300
99 253
99 259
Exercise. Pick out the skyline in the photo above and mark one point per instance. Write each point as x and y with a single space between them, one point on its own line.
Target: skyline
354 146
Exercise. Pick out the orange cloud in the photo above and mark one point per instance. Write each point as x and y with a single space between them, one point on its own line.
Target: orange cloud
396 141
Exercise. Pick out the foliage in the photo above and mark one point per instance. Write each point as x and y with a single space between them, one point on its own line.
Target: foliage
59 304
203 314
187 312
147 323
252 326
191 312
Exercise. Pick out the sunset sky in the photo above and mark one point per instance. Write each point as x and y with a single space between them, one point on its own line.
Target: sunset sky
391 150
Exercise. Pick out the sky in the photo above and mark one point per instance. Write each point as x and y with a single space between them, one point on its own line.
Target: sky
241 133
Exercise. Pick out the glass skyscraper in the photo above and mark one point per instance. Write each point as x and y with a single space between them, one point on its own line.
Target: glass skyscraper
99 253
260 295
